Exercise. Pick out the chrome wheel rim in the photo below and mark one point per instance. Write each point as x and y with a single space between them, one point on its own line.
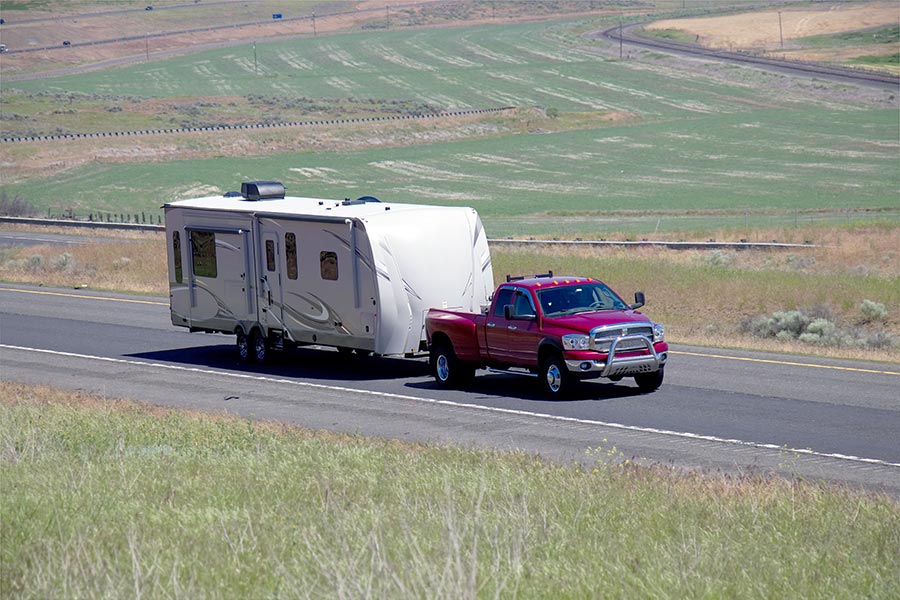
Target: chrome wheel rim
443 367
554 378
243 347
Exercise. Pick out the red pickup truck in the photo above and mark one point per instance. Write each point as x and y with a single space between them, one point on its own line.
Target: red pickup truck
560 329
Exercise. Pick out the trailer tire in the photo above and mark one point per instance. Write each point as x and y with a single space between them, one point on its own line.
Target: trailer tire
447 369
259 347
555 376
243 347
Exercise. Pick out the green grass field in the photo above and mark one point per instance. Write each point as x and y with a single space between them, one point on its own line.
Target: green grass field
744 163
104 499
713 138
864 37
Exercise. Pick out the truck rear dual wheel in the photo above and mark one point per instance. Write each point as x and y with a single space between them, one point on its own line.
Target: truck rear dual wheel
448 370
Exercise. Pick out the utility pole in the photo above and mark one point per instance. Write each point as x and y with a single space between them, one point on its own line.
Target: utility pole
620 41
780 30
147 46
255 67
314 25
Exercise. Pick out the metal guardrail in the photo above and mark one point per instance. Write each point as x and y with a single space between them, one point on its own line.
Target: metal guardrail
105 134
711 245
680 245
82 224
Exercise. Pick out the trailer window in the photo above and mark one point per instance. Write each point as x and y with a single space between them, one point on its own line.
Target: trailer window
290 254
270 255
203 253
176 250
328 263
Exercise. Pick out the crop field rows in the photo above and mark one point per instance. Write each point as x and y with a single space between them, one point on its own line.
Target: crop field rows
452 68
703 137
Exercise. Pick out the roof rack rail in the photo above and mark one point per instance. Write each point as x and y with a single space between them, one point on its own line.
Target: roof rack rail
546 275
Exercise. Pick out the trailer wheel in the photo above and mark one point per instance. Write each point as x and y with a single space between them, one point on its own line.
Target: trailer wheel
555 377
650 382
448 370
243 347
259 346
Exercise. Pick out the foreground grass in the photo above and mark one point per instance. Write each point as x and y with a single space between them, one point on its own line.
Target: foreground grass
111 499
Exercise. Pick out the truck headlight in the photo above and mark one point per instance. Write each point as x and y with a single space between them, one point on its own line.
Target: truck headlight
659 333
576 341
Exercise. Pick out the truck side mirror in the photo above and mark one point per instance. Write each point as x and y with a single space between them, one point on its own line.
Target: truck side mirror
509 313
638 300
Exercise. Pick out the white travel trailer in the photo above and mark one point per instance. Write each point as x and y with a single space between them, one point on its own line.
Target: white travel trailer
353 274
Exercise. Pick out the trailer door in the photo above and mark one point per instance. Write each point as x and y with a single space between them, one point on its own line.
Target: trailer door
273 305
217 277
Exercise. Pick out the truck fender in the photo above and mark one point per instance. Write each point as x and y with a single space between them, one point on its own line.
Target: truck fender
548 345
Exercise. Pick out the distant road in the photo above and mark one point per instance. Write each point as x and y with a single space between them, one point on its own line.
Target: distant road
175 51
725 410
833 72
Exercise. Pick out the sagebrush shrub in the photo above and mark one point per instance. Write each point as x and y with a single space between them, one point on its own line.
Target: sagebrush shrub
873 311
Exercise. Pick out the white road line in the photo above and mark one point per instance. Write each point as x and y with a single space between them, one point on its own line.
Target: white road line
507 411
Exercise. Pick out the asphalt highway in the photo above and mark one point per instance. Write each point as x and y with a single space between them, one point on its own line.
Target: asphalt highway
727 410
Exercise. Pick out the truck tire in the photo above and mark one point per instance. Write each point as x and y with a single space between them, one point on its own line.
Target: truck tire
447 369
555 377
259 347
245 355
650 382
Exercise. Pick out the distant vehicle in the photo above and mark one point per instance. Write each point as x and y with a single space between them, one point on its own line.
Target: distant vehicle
149 8
67 43
3 48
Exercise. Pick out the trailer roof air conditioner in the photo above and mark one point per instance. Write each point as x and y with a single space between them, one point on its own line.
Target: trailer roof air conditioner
262 190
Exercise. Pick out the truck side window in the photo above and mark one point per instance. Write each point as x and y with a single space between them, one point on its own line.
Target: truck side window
504 297
270 255
176 249
290 254
523 304
203 253
328 264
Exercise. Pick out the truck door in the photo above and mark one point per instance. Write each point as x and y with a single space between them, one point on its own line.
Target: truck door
523 335
272 304
496 324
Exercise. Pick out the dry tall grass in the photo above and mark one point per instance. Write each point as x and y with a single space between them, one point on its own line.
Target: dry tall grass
703 297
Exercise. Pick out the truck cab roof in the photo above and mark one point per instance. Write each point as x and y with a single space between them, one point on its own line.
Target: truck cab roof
542 282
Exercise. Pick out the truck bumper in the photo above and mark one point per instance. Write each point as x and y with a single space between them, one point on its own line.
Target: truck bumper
620 366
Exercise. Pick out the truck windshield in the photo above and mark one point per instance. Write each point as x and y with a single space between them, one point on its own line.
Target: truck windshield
573 299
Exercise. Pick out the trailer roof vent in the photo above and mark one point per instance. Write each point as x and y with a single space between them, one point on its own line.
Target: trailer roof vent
262 190
360 200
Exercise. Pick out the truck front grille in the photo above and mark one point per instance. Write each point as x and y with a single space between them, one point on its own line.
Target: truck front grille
602 337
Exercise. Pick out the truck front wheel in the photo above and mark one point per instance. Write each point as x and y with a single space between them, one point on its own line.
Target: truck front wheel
555 376
650 382
448 370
